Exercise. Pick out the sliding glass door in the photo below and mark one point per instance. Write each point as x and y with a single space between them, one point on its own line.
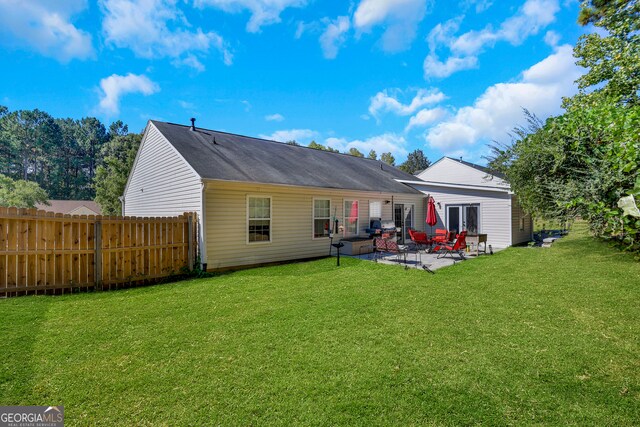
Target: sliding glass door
463 217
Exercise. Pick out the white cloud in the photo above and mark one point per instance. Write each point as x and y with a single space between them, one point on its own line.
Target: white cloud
46 27
263 12
186 105
334 36
301 136
433 67
400 19
116 86
533 16
426 117
480 5
274 117
552 38
494 114
387 142
156 29
387 101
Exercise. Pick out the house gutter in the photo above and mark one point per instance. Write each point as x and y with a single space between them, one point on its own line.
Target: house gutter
461 186
414 193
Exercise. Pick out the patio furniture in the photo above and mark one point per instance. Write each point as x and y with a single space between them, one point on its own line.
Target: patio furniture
391 246
419 238
457 247
441 235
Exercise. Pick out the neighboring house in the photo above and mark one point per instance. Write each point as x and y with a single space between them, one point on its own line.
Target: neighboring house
469 197
71 207
261 201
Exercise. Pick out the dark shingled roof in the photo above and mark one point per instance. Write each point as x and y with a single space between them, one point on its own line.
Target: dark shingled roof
245 159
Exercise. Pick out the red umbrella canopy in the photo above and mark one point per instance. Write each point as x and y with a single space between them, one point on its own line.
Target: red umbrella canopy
431 212
353 214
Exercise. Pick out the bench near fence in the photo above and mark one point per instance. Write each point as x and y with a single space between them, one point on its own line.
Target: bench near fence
44 252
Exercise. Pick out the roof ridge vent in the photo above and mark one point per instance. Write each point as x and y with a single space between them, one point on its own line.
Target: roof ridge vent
193 123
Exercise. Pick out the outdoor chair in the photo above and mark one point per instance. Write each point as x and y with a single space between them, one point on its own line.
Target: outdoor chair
457 247
441 235
420 239
390 246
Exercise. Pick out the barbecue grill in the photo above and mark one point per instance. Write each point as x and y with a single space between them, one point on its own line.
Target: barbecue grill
382 228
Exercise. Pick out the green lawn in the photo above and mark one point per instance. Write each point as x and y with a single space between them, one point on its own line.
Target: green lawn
527 336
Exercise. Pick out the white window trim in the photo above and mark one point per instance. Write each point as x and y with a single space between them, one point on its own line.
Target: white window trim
262 242
313 218
345 218
381 206
461 206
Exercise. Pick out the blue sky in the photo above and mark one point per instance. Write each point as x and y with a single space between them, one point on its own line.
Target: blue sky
447 77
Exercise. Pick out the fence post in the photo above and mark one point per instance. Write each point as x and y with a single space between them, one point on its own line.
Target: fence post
190 222
98 254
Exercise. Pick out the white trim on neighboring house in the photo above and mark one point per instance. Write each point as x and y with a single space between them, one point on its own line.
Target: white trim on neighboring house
313 218
260 242
462 186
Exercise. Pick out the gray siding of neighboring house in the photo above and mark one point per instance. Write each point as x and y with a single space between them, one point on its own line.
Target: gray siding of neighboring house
521 223
450 171
495 210
161 181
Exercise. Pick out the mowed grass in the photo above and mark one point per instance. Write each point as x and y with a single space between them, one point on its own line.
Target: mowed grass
527 336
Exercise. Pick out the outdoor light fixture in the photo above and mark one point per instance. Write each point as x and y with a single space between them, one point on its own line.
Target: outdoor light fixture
386 202
439 205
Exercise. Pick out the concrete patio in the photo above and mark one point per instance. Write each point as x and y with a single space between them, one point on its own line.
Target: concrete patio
416 259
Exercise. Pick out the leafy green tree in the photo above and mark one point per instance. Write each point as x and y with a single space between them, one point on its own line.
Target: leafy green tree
583 162
388 159
355 152
321 147
20 193
372 155
292 142
416 161
111 176
29 136
612 57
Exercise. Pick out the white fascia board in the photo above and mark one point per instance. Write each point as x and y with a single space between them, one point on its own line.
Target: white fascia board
450 185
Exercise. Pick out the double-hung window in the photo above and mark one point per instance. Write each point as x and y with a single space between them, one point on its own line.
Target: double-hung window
258 219
321 217
350 217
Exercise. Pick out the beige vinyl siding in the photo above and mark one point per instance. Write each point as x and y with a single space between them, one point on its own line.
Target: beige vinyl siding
162 183
520 236
495 210
291 221
453 172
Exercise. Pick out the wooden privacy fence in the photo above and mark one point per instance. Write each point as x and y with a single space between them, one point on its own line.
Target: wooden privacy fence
44 252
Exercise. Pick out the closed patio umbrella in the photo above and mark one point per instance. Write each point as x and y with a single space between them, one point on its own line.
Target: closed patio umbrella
431 213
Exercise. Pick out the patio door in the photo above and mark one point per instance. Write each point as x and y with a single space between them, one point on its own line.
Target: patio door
463 217
403 218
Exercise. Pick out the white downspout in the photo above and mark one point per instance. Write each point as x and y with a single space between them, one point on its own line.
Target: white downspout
202 244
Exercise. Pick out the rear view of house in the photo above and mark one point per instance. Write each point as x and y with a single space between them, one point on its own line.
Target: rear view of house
261 201
469 197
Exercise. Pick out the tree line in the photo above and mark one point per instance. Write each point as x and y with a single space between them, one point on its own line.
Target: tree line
42 157
416 160
585 162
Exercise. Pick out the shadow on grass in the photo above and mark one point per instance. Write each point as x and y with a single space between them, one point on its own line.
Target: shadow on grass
18 370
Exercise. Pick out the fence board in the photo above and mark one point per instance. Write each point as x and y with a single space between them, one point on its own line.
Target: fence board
43 252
